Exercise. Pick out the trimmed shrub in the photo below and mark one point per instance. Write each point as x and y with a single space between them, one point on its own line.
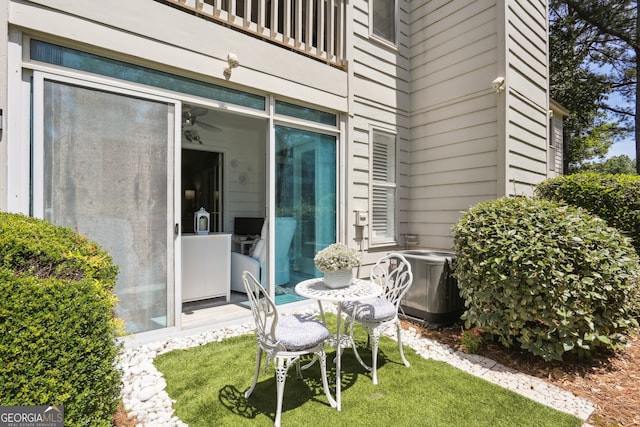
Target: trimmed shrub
614 198
548 277
58 331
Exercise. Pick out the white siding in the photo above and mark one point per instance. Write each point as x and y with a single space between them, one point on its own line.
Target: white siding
468 142
454 128
380 92
527 95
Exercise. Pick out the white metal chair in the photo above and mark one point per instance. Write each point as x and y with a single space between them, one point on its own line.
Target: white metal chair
393 273
284 339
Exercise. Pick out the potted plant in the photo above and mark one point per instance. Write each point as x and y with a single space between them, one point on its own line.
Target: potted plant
337 261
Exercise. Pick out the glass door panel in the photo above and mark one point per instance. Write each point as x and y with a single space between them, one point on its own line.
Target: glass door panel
305 201
107 172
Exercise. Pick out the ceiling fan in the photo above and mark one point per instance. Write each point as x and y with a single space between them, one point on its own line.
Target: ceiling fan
190 116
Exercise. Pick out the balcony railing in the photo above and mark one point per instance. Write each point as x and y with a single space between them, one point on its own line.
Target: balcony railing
312 27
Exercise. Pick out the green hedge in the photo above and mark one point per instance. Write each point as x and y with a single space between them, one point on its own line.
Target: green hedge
548 277
614 198
58 331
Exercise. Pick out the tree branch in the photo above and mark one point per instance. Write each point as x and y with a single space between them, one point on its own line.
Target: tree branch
605 26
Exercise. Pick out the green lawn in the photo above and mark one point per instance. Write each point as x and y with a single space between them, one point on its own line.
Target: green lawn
208 384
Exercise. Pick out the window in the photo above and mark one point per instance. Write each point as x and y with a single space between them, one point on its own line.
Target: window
383 170
78 60
306 113
383 19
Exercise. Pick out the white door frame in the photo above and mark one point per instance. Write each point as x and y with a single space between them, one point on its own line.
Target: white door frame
174 285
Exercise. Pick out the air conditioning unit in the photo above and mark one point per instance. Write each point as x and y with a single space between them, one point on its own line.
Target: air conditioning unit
434 295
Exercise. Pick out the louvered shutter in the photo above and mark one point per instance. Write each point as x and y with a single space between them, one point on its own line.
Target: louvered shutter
383 187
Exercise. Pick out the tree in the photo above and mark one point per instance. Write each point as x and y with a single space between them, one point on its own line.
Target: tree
614 165
605 36
578 88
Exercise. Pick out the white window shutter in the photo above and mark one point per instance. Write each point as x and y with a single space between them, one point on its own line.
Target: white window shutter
383 187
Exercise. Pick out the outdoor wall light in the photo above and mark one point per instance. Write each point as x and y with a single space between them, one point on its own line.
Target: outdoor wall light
498 84
232 60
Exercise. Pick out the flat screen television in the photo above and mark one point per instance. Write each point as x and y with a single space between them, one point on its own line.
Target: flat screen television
245 226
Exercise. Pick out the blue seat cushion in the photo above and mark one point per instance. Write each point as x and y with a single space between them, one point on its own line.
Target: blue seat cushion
299 331
372 309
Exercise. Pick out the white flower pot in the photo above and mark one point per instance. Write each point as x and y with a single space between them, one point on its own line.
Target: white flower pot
338 279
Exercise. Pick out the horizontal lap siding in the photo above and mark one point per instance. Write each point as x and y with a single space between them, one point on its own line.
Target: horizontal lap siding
450 64
447 120
453 114
380 90
359 179
528 105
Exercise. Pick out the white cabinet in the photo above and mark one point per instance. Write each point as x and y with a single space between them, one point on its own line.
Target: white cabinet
206 264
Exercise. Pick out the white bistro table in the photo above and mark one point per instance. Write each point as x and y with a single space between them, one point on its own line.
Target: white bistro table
358 290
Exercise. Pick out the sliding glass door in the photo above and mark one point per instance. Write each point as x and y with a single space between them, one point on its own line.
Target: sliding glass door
305 201
104 166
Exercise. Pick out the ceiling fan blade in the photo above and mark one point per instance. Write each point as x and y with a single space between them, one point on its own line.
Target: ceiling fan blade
205 125
191 115
198 111
194 111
